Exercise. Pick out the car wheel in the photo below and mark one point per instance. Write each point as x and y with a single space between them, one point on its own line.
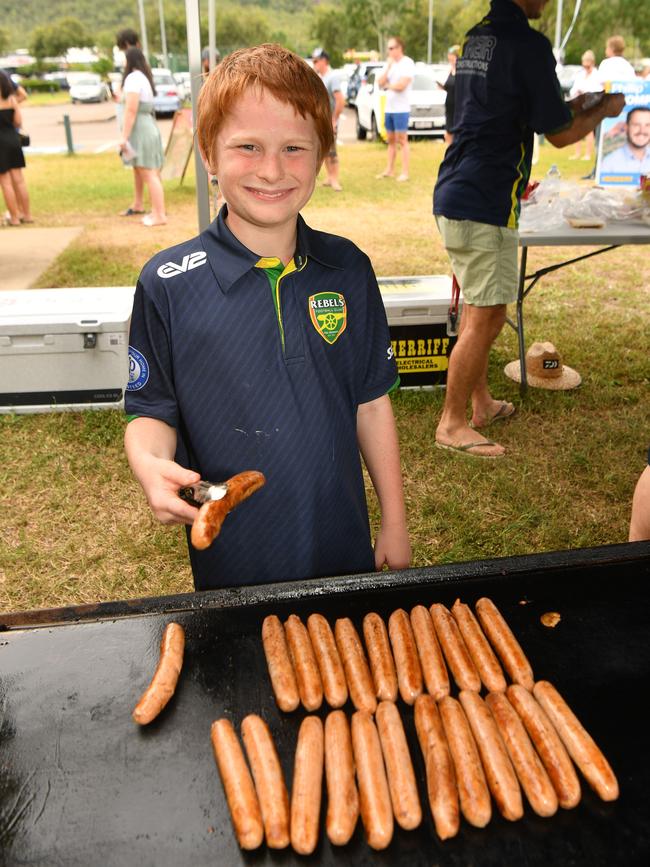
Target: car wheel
361 131
374 132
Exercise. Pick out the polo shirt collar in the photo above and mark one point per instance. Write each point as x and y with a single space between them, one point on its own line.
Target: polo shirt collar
230 259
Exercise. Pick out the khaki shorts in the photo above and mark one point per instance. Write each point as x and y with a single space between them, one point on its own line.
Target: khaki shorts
484 259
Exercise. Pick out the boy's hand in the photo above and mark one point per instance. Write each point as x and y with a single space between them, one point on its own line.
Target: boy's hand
392 547
161 480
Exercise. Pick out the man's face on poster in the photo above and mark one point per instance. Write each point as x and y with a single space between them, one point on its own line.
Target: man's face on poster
638 128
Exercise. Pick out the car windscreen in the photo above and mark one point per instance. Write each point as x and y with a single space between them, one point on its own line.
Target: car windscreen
86 82
163 79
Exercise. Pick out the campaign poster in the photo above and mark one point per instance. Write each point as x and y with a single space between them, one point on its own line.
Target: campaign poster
624 143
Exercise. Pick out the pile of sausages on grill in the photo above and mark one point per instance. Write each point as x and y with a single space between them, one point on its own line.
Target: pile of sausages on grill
521 736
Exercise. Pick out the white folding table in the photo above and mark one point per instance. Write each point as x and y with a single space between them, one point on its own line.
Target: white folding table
608 238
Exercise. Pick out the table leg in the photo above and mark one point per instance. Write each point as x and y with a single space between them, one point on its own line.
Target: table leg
520 321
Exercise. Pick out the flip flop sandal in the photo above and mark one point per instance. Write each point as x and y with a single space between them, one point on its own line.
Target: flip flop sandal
505 411
130 212
466 449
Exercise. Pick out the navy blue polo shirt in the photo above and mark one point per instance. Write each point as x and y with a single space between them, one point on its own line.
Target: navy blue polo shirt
259 374
506 89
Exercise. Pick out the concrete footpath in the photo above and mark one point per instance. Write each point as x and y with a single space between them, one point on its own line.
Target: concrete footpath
26 251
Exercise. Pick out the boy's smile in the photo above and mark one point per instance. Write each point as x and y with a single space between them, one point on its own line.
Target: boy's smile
266 159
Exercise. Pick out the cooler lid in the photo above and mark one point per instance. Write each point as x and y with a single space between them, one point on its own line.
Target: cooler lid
94 308
421 296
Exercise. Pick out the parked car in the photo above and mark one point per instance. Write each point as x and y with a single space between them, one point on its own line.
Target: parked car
359 77
166 98
59 78
89 88
184 83
427 100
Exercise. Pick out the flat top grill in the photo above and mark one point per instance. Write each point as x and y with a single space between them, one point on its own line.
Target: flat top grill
81 784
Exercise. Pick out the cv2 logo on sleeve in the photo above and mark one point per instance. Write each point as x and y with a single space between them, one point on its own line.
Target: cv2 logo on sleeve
192 260
329 314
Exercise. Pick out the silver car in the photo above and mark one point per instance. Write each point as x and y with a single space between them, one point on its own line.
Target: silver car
167 99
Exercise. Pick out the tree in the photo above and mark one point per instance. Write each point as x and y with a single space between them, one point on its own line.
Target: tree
4 40
55 39
330 32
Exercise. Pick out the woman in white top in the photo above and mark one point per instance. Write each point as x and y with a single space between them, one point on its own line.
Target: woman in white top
141 145
587 81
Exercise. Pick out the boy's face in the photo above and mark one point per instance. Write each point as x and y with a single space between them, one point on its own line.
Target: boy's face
266 159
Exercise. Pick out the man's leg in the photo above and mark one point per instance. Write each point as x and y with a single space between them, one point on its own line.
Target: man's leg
332 169
467 375
391 154
403 142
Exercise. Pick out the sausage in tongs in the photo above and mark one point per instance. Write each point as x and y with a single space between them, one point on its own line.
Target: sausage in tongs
208 522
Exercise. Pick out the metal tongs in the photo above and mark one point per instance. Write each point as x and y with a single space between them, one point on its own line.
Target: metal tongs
203 492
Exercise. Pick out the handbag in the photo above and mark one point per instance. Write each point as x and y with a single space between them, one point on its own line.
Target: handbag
24 139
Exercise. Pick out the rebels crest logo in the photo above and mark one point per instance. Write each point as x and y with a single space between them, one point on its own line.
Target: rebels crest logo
192 260
329 314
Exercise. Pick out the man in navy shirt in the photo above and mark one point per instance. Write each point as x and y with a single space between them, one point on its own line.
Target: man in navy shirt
506 90
263 345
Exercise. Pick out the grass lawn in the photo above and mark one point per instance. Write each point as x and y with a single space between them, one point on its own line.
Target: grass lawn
76 527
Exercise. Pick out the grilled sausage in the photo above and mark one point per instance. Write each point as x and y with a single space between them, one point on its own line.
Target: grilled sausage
342 793
441 780
269 780
548 744
500 774
374 795
407 662
479 648
456 653
399 767
304 662
328 659
434 670
470 778
307 786
504 642
357 673
278 660
579 743
532 775
165 678
380 657
238 785
207 524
